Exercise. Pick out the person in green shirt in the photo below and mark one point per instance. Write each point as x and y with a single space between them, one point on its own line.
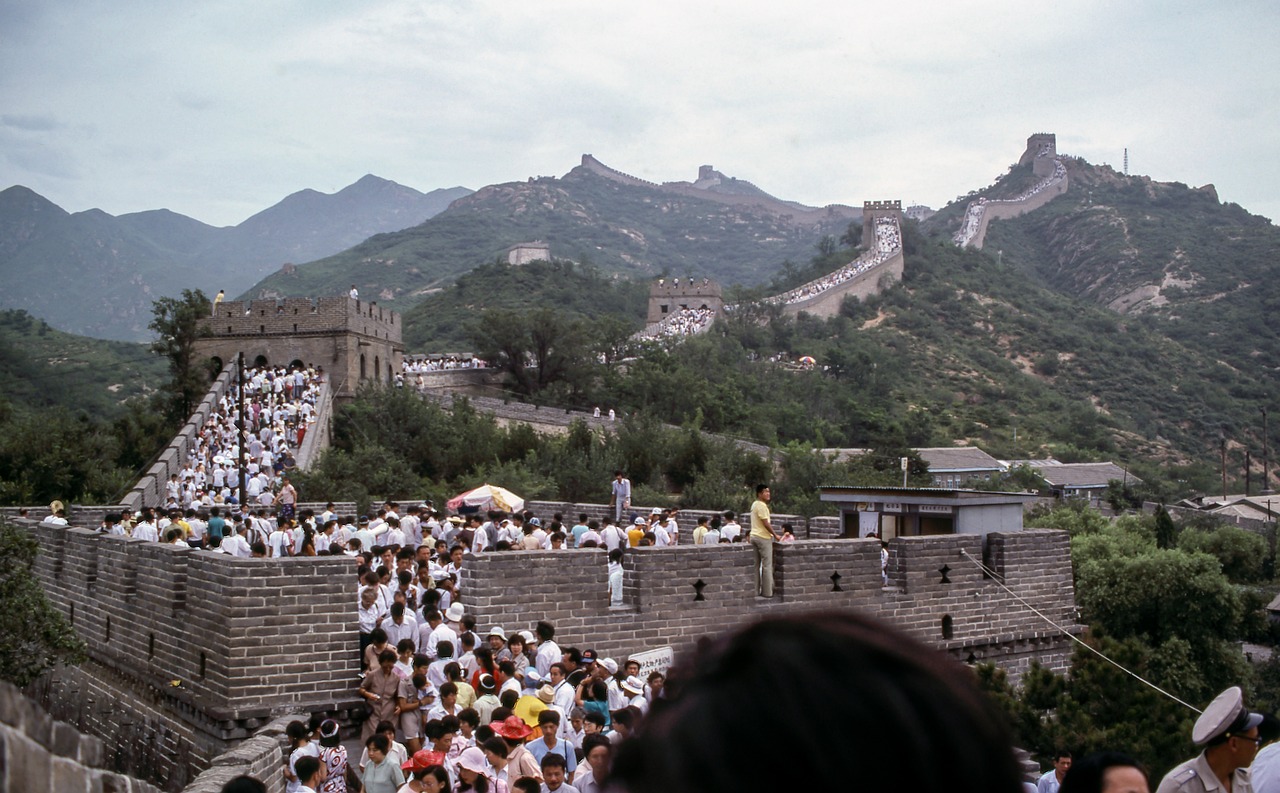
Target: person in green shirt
380 775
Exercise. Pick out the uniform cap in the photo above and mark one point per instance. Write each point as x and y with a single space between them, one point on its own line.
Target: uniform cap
1226 714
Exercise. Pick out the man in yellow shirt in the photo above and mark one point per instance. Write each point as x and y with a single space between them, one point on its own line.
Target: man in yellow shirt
762 537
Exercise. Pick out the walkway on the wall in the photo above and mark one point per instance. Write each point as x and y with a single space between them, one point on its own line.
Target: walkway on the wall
884 248
981 211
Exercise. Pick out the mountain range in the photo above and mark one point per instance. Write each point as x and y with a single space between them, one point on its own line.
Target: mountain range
717 226
95 274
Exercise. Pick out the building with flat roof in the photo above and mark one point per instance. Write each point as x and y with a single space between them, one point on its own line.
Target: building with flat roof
924 511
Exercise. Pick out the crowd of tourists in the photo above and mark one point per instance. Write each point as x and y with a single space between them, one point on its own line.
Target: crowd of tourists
972 220
202 500
685 322
888 240
444 363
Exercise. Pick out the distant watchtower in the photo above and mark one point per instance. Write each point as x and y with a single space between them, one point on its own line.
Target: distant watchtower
1042 150
878 209
352 340
667 298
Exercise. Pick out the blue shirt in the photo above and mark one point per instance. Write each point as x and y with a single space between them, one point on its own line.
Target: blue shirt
539 750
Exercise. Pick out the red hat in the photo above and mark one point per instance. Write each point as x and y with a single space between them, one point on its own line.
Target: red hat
512 728
422 760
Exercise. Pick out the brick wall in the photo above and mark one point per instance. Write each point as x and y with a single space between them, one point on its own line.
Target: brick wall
209 646
38 753
676 595
149 491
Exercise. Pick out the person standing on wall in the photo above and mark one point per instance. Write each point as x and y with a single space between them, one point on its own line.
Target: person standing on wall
762 538
620 495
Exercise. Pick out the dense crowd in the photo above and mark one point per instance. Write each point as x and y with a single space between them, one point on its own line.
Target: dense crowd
888 240
685 322
423 363
972 220
200 499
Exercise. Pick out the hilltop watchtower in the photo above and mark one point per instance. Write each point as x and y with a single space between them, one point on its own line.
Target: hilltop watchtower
1042 150
667 297
352 340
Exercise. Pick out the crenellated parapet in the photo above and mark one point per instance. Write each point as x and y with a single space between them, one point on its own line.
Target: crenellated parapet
352 340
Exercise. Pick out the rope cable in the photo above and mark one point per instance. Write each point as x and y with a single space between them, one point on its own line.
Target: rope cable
996 578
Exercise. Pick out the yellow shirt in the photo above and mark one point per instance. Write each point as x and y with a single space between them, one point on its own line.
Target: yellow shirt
633 536
760 517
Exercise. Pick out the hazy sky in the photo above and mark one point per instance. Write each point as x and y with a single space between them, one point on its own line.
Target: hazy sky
219 109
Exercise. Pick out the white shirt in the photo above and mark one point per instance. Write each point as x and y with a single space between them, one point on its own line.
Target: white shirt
548 654
1048 783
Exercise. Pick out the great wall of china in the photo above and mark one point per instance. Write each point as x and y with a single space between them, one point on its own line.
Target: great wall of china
1042 155
197 659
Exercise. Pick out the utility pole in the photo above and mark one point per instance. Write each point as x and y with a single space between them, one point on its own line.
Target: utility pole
241 426
1223 449
1266 457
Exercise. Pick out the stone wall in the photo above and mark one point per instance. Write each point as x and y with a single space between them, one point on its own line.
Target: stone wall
40 754
206 646
676 595
191 653
1003 210
149 491
352 340
827 303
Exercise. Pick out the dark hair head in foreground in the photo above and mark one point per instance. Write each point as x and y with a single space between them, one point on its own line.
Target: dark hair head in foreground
1105 771
835 698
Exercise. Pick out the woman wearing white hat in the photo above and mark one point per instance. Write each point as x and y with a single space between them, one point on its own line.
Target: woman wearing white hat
473 771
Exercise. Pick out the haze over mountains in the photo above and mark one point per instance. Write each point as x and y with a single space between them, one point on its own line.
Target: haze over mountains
96 274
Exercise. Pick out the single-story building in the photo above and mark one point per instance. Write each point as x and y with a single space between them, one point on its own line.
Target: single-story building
918 511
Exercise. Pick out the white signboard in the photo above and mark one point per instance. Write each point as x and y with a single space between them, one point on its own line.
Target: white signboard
940 509
891 508
658 660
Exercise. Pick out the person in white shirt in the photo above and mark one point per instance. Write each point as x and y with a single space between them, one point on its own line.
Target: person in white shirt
401 625
613 537
236 545
548 650
730 530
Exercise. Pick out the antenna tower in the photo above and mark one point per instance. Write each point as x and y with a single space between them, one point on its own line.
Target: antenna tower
1126 160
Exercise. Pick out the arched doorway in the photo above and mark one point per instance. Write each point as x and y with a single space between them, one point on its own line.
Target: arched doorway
260 362
377 368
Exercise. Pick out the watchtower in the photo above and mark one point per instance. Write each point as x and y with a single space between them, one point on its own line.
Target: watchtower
1042 150
352 340
669 296
878 209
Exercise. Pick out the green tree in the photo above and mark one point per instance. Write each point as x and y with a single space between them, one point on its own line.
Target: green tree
176 323
1166 530
34 636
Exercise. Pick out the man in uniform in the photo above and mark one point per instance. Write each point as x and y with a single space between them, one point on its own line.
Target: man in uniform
1229 734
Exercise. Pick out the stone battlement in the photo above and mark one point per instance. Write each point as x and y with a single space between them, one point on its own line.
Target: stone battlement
352 340
302 315
668 298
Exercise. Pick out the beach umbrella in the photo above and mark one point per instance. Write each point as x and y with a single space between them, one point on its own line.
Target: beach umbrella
486 497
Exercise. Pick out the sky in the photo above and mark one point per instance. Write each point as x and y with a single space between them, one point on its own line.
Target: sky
218 110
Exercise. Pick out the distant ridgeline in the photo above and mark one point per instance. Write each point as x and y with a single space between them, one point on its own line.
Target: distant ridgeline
712 185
